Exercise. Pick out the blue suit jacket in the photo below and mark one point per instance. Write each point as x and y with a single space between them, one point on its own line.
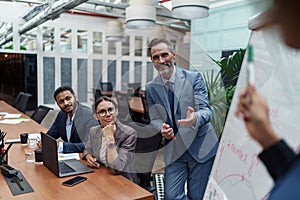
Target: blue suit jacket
287 186
189 90
83 121
284 167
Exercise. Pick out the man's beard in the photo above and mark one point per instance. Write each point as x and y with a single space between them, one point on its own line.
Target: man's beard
166 71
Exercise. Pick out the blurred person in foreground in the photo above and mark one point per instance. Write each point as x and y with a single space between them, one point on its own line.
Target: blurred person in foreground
280 160
111 143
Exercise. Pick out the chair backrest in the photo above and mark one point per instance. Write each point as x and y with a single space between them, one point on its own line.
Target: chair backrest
146 149
106 86
22 101
97 94
145 104
148 138
136 87
40 112
17 99
124 113
146 117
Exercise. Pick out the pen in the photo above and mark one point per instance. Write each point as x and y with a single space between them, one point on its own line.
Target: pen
250 67
250 71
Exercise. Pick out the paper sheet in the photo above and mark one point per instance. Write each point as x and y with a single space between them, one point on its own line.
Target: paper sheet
68 156
13 121
11 116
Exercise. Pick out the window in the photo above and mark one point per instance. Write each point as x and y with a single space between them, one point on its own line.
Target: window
65 40
82 38
97 42
48 38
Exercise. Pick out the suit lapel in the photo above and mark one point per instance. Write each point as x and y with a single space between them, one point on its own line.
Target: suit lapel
62 126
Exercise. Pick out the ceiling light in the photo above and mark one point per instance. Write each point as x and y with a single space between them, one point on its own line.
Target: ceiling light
140 14
190 9
114 31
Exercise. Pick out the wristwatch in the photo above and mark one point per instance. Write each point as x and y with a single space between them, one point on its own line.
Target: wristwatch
111 145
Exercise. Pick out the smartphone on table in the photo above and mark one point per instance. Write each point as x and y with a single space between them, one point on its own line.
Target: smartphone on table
74 181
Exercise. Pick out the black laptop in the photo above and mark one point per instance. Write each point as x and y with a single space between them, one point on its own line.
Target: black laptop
60 168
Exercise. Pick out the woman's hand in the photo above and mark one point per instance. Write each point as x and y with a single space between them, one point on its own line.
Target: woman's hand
91 161
109 131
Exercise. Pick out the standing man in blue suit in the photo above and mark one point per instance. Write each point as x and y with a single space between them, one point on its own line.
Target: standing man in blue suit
179 108
73 122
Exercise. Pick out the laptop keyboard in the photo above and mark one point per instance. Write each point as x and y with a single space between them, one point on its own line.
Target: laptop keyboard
64 168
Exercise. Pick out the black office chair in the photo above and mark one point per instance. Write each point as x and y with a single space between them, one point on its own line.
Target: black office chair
135 88
124 112
145 118
97 93
21 101
40 113
106 86
146 150
103 89
17 99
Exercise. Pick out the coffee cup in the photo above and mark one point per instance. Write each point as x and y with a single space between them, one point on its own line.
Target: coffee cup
38 155
24 138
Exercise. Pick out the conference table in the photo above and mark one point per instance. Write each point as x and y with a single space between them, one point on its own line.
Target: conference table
100 184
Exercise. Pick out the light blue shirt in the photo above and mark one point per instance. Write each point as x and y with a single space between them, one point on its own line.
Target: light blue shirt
69 124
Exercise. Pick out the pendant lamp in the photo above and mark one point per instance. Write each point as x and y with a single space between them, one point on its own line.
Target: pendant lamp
114 31
140 14
190 9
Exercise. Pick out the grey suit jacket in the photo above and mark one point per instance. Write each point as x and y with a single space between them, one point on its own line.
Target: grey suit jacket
83 121
125 139
189 90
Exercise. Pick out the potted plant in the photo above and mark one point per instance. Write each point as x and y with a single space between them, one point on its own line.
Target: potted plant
222 86
217 99
230 70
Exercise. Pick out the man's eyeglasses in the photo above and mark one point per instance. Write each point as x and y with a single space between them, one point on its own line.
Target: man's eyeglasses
164 55
103 112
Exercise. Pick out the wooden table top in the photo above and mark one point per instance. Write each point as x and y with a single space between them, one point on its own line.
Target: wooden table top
136 104
100 184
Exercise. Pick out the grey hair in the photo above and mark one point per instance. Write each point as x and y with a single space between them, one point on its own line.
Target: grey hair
157 41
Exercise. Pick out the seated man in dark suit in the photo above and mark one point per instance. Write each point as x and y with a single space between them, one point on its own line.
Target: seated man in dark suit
72 124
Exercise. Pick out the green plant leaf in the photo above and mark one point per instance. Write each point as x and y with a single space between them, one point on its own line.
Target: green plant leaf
217 100
221 87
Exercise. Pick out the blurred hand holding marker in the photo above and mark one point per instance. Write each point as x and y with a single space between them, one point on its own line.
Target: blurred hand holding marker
250 70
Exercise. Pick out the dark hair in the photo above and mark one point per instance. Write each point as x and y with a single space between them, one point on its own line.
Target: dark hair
61 89
157 41
103 98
